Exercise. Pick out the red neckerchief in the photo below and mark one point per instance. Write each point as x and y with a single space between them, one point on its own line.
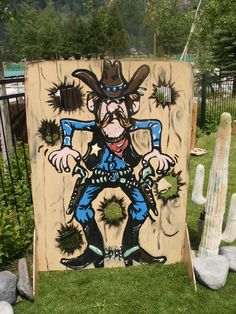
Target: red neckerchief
118 147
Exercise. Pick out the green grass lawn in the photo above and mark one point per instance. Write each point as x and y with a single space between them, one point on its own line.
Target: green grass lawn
141 289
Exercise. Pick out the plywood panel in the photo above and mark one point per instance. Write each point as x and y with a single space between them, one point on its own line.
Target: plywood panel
187 259
162 235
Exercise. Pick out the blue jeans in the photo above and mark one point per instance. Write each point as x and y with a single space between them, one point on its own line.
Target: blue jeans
137 210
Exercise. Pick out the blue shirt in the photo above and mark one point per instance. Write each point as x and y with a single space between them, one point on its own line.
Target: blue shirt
109 160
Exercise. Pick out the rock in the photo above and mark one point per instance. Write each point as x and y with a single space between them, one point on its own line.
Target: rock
8 290
212 271
230 253
24 283
6 308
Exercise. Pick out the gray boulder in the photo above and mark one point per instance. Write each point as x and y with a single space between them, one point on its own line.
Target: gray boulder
6 308
8 290
230 253
24 283
212 271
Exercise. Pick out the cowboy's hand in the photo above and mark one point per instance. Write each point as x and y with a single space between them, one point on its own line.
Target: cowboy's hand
165 161
59 158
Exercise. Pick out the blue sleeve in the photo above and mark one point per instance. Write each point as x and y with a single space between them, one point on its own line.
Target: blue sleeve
155 128
69 126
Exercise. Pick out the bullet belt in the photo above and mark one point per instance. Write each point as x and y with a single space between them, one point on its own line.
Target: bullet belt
124 176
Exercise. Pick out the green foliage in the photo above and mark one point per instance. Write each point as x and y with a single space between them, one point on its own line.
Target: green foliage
22 32
49 34
16 214
5 10
96 37
73 37
170 23
116 38
199 132
133 14
214 39
224 48
211 122
49 28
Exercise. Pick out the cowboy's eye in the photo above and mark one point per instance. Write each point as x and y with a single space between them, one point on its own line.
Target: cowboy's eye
120 100
107 101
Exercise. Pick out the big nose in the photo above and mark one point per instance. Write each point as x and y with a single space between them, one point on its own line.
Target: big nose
112 107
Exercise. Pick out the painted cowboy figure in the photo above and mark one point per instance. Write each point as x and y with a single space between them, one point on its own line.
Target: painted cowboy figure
111 157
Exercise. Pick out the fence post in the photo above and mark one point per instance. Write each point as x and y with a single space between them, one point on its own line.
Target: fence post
203 103
194 124
5 126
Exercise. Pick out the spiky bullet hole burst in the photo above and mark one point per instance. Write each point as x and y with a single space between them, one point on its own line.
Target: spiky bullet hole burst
69 239
112 211
164 93
66 96
49 131
170 188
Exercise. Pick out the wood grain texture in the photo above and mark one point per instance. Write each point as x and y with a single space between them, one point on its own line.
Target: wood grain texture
187 259
162 235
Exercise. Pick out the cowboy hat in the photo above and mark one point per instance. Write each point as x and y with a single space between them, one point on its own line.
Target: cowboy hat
112 83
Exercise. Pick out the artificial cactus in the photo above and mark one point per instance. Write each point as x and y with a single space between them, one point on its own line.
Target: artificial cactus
216 194
229 234
197 194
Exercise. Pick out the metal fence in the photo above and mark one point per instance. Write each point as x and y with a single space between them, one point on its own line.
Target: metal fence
15 187
217 94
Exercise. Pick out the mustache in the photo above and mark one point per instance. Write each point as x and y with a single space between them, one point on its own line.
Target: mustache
119 115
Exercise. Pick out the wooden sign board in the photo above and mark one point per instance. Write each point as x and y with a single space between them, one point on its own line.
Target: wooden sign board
116 200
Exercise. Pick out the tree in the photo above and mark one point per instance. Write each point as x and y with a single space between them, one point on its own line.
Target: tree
5 15
96 37
49 30
5 10
22 31
170 23
74 37
224 49
133 16
216 34
117 41
33 34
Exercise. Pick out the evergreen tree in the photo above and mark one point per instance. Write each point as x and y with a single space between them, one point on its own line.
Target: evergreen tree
49 29
117 41
170 23
106 34
73 37
5 10
22 32
96 37
224 49
133 16
215 37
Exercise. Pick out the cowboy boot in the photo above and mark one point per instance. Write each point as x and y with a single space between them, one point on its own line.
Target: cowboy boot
94 253
131 249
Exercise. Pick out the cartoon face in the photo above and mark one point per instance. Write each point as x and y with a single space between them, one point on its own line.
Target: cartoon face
114 118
